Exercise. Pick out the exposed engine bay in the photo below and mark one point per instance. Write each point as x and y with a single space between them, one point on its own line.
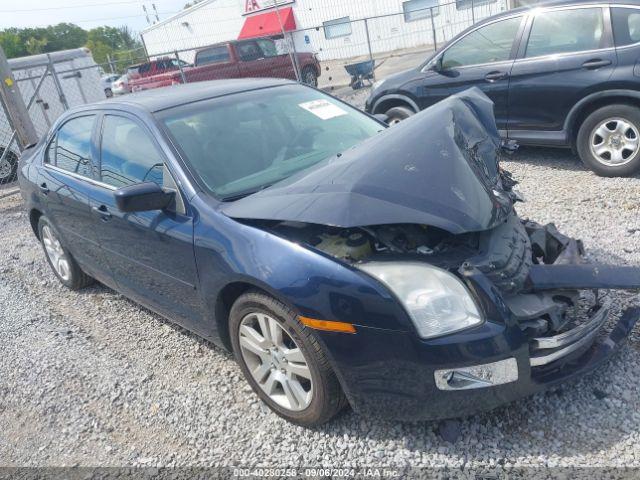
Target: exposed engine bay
507 255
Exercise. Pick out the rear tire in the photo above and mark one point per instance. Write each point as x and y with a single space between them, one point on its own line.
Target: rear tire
108 93
60 260
608 141
269 365
398 114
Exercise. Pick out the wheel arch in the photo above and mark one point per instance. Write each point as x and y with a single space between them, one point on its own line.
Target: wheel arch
593 102
228 295
386 102
34 219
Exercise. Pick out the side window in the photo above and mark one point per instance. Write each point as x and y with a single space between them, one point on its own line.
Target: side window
565 31
340 27
213 55
71 148
491 43
268 48
626 25
127 154
249 51
419 9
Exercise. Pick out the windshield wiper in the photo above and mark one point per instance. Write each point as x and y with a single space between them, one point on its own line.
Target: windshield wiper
246 193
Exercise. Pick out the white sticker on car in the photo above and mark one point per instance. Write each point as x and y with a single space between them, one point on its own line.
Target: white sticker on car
323 109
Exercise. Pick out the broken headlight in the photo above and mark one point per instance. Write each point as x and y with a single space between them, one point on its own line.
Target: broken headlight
437 301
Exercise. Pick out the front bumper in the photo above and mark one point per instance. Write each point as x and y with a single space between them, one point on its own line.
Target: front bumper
392 374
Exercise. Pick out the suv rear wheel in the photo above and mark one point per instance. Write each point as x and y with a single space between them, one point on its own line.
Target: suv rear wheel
282 361
398 114
608 141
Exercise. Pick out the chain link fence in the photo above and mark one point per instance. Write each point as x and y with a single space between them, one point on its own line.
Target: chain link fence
342 56
49 85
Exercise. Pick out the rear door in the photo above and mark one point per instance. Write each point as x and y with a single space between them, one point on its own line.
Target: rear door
566 54
65 182
482 58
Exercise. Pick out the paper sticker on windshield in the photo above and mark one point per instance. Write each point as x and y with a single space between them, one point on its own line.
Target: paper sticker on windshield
323 109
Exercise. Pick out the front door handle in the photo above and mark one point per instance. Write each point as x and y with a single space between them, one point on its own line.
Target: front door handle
495 76
595 63
44 189
103 212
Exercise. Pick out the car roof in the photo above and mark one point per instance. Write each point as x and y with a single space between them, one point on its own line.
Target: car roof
158 99
557 3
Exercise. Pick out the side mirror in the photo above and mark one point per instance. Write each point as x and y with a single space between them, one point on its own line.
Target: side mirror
437 65
143 197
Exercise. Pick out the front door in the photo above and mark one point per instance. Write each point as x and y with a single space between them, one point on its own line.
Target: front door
567 54
483 58
150 253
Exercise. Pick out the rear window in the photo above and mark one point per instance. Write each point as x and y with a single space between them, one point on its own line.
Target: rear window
213 55
566 31
626 25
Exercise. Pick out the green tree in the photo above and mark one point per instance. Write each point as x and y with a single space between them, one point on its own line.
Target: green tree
35 45
11 43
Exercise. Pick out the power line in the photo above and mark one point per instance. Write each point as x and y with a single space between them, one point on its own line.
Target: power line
66 7
104 19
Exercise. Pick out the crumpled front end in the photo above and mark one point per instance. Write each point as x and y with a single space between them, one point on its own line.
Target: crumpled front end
552 294
430 191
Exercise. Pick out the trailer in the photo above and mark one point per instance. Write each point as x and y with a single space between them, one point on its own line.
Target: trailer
76 82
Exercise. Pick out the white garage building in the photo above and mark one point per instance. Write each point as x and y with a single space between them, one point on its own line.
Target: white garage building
332 28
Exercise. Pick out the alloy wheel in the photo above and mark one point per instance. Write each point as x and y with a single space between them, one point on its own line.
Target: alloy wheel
275 361
615 141
56 253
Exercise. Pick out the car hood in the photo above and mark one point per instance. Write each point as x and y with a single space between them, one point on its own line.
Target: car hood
438 168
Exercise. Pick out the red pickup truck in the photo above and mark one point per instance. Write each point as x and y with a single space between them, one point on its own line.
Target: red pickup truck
236 59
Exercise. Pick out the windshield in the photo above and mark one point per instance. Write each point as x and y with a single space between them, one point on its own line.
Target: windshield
242 143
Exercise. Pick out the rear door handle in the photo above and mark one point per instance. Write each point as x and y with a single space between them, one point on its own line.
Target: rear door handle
496 75
102 211
44 189
595 63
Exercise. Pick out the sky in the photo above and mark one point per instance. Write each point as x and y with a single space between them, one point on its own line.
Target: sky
87 14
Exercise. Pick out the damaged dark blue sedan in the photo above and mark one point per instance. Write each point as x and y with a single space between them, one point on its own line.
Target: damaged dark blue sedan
342 261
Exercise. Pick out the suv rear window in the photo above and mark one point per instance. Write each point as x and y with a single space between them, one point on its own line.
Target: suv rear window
626 25
565 31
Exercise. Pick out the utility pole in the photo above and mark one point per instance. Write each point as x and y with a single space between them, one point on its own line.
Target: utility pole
14 105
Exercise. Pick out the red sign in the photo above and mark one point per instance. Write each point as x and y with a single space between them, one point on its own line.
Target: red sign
253 6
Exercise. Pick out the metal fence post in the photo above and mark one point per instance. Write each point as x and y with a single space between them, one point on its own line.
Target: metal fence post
182 76
296 65
16 110
433 29
56 82
473 13
366 28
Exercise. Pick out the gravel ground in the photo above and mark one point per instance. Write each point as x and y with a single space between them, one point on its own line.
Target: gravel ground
92 379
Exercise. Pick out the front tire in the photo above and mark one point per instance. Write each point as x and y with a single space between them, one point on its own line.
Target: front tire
60 260
283 362
608 141
396 115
